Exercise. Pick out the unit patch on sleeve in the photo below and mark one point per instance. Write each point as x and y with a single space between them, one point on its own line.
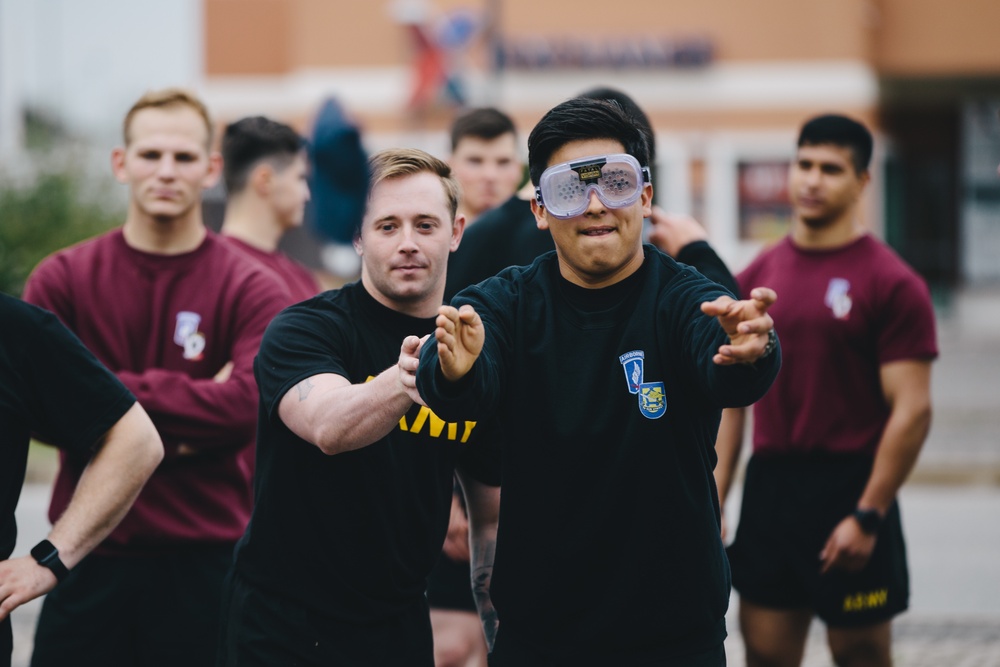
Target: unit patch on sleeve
652 395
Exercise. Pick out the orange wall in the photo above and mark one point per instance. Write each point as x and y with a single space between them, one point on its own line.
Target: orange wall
939 37
247 37
740 30
270 36
901 37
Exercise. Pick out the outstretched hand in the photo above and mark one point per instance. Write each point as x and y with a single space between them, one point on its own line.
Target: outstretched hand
460 336
745 322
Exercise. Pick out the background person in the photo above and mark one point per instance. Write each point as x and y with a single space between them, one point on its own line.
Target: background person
51 385
177 315
265 171
838 433
484 159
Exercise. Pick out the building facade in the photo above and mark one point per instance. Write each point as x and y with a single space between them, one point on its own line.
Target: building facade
726 83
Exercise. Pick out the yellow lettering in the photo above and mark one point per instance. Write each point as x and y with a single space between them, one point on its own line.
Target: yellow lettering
877 598
869 600
426 417
436 423
420 420
468 431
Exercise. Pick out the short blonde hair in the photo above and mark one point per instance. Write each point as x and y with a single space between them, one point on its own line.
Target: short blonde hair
399 162
164 99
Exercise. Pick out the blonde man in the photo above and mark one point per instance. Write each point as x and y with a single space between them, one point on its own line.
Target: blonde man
354 475
177 315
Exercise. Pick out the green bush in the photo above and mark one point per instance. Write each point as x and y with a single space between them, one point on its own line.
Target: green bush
46 216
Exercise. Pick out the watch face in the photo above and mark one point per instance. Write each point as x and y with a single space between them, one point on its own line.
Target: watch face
868 519
46 554
43 551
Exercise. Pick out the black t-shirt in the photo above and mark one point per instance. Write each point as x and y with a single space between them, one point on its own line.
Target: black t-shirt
351 536
609 548
501 237
50 385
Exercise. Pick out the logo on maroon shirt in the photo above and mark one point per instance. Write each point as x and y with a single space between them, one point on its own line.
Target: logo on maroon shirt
186 335
838 297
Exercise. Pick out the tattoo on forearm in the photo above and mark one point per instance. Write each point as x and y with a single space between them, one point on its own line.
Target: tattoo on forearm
304 388
481 576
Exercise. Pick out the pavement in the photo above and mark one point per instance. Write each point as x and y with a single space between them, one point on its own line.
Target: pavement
950 509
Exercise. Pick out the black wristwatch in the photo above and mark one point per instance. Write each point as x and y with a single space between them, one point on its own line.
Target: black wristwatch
772 342
869 520
48 556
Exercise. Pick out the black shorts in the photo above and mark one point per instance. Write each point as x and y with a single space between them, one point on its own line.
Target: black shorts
6 642
111 611
507 655
264 629
790 507
449 586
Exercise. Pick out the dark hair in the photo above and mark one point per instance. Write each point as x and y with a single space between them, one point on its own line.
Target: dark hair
251 140
581 119
631 108
482 123
839 131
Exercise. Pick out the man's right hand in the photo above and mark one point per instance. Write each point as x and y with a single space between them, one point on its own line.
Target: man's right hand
409 359
671 232
460 336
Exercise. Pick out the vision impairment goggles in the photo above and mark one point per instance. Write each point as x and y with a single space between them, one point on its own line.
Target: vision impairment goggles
564 189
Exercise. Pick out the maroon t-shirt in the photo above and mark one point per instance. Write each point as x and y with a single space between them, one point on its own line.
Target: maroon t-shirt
166 325
841 314
301 282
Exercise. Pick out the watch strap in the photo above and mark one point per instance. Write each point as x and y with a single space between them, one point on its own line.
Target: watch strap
772 342
869 519
46 554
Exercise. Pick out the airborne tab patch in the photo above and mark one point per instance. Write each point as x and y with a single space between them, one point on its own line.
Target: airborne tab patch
632 363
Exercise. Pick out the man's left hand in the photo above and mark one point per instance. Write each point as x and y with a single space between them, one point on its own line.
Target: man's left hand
848 548
22 580
746 323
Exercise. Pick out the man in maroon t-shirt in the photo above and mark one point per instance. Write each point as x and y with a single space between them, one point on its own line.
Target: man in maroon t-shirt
178 316
841 427
264 168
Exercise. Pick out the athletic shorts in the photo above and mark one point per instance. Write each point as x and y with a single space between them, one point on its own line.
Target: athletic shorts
6 642
149 611
790 507
507 655
264 629
449 586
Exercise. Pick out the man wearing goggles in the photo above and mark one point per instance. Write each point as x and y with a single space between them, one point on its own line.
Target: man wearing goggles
610 551
617 179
